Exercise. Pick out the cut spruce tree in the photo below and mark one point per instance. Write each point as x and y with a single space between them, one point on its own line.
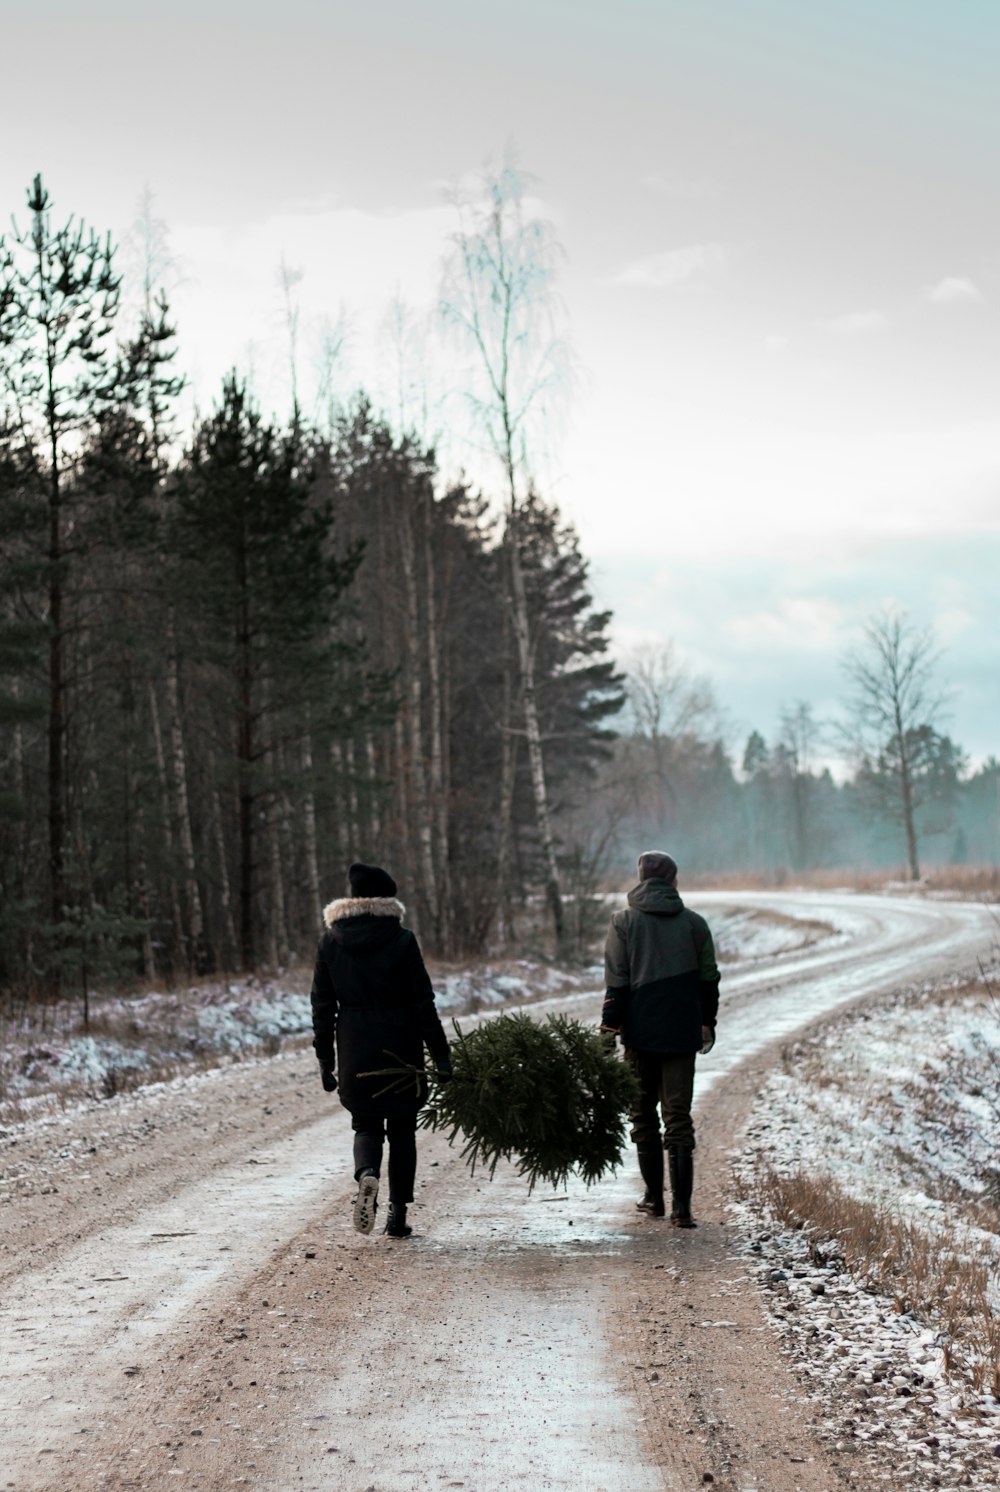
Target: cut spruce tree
552 1096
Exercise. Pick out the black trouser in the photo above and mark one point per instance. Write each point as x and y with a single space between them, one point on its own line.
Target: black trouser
667 1079
370 1130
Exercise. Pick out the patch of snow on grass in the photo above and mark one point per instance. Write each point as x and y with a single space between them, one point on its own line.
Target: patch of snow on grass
45 1056
140 1039
491 986
750 934
896 1109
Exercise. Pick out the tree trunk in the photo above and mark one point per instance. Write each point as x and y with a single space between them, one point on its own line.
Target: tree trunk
288 843
142 903
57 723
801 791
536 758
178 762
277 937
352 820
225 892
57 718
24 849
422 807
374 813
905 783
508 773
278 933
136 888
309 823
246 763
341 826
401 783
439 792
176 918
906 793
248 954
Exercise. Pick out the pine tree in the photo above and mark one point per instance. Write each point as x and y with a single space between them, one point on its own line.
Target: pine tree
552 1096
58 299
262 592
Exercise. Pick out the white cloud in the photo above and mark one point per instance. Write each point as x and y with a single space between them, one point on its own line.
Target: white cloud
798 623
661 271
748 487
855 323
953 290
776 343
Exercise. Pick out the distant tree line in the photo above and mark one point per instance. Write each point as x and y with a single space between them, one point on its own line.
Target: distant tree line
906 798
233 660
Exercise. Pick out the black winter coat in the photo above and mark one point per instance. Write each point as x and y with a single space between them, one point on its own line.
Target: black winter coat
660 970
373 1005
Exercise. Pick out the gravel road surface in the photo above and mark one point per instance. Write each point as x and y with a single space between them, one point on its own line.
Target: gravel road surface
183 1301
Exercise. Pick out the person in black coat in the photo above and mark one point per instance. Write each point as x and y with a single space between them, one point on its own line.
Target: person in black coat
373 1008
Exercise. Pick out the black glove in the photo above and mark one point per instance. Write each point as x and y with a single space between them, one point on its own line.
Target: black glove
707 1040
444 1074
329 1077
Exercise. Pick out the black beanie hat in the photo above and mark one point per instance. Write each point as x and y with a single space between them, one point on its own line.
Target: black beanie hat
657 865
370 880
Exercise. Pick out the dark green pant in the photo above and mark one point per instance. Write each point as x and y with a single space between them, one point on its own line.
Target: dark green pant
667 1080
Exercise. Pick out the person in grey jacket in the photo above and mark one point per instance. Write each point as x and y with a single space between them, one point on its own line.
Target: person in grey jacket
662 1000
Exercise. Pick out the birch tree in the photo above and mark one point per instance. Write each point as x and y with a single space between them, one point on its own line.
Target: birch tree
498 299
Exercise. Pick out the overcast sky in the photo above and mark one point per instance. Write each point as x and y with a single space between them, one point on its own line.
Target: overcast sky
782 272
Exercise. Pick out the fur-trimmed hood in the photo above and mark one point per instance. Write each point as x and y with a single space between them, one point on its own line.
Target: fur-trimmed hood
362 906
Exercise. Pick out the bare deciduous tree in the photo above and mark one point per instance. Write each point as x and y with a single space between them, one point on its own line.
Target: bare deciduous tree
498 298
892 710
672 716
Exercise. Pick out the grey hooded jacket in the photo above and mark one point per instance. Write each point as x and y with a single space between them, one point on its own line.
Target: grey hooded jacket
660 971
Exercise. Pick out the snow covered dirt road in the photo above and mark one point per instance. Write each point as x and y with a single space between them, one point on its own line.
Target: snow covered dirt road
184 1302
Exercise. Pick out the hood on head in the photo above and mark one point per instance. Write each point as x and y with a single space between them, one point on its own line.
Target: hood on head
364 924
362 906
656 897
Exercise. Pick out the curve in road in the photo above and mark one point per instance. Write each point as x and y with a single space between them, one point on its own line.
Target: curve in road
208 1317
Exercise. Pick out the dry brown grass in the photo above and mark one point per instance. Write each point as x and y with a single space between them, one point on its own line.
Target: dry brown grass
921 1273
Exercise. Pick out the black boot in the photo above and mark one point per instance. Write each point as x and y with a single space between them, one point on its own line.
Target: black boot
680 1160
396 1225
651 1169
366 1201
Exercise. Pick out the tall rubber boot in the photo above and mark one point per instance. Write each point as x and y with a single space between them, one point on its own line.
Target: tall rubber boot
680 1162
651 1170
